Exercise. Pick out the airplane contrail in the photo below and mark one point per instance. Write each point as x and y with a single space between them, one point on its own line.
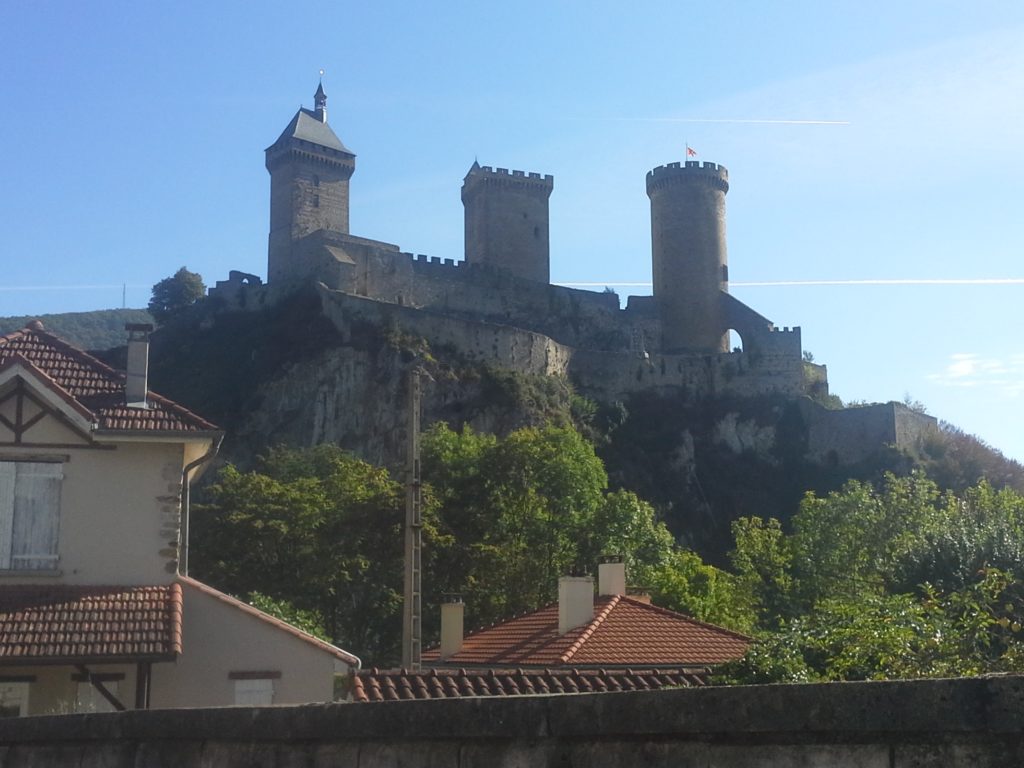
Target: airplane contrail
873 281
909 281
68 287
730 120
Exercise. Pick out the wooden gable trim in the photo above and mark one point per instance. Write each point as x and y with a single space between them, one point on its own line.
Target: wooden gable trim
21 392
269 674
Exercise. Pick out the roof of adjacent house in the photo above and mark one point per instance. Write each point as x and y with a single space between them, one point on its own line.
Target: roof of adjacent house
624 632
238 605
65 624
374 685
94 386
306 126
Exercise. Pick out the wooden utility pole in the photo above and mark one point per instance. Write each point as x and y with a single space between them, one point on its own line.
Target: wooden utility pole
412 613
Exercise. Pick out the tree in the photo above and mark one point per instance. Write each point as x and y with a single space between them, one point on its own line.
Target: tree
521 511
317 534
899 581
319 530
175 293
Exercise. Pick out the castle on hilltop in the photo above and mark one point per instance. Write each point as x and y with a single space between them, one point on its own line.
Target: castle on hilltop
497 305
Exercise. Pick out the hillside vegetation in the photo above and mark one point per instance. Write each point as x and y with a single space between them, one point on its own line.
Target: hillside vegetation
101 329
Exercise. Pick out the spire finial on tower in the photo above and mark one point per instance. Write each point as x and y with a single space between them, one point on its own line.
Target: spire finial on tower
320 100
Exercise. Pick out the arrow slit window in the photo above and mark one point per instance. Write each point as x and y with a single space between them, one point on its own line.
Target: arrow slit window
29 515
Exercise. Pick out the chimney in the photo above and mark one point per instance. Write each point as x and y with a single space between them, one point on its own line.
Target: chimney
611 575
452 610
575 602
136 385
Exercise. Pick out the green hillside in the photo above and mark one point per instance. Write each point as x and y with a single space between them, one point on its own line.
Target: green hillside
101 329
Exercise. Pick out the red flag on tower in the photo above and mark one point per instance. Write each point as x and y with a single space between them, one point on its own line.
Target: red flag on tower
690 151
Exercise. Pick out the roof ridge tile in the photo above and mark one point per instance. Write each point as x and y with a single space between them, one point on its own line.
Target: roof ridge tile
592 627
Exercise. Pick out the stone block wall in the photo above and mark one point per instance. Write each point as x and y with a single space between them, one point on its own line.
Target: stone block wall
502 345
848 435
969 723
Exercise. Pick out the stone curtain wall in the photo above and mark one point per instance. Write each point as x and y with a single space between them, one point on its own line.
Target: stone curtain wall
925 724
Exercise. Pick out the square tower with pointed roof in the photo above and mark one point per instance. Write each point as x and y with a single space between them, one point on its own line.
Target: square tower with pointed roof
309 173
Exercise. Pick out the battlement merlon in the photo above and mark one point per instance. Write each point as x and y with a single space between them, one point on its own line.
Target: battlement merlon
487 176
306 150
687 173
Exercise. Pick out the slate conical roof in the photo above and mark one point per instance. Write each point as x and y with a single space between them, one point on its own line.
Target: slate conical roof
306 126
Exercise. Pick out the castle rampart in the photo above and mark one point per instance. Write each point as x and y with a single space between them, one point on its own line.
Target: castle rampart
848 435
500 345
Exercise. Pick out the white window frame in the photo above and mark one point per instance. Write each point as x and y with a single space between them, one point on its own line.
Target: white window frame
30 514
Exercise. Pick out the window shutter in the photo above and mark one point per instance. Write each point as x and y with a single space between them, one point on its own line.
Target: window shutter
36 516
7 475
254 693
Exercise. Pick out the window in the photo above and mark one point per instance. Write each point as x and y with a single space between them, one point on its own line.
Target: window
88 699
254 693
29 514
316 201
254 689
13 699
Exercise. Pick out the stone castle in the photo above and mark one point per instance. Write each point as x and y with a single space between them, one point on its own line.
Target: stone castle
497 305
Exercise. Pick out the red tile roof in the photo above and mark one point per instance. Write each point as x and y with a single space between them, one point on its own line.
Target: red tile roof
624 633
237 604
80 624
96 386
373 685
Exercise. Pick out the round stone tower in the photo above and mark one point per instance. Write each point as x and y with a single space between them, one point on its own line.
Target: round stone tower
688 253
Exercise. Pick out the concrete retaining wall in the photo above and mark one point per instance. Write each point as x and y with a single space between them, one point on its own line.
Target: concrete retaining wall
924 724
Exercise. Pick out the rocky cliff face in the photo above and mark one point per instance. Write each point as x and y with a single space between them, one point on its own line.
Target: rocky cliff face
287 375
291 374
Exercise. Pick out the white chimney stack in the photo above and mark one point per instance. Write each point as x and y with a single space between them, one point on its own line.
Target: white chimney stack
452 611
575 602
611 575
136 386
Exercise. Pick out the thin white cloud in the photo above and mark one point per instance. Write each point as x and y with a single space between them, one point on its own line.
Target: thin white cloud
1004 375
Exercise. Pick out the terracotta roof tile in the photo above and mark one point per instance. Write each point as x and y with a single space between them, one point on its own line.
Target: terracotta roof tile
624 632
96 386
78 624
374 685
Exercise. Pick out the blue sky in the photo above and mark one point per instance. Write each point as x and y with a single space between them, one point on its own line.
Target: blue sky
134 136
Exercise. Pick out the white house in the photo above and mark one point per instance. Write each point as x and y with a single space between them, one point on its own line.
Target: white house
94 610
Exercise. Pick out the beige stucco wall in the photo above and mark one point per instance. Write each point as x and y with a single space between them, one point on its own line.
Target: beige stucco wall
219 638
119 511
53 690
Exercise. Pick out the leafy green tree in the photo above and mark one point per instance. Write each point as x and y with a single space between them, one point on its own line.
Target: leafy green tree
978 529
899 581
173 294
527 509
685 583
879 636
531 507
763 562
307 621
319 529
